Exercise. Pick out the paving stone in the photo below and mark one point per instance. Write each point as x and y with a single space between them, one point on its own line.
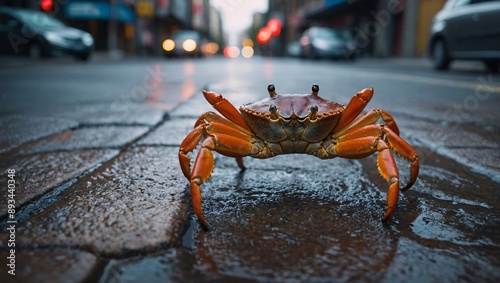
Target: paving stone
168 95
91 137
197 104
172 132
120 111
194 107
474 147
52 266
417 262
138 203
173 265
140 104
18 129
485 161
37 174
434 135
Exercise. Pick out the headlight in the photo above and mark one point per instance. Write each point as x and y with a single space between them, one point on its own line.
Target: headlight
87 39
53 37
189 45
168 45
321 43
438 26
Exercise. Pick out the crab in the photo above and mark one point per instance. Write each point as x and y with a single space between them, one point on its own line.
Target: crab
295 123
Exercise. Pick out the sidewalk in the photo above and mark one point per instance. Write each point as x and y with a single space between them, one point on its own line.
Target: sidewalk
85 199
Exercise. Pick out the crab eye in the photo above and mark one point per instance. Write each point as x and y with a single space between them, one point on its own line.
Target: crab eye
314 109
315 89
273 108
272 90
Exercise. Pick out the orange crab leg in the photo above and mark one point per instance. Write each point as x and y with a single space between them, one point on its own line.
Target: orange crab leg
214 117
396 143
225 108
406 151
188 145
356 105
389 171
204 165
365 146
369 118
194 137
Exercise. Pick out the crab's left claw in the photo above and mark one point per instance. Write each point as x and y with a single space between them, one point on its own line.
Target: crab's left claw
225 108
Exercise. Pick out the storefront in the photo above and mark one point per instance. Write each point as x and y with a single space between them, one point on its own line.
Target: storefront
110 22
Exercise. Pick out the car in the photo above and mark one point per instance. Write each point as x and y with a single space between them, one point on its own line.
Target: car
294 49
183 43
38 34
466 30
325 42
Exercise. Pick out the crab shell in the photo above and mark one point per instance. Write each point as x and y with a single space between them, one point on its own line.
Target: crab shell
302 117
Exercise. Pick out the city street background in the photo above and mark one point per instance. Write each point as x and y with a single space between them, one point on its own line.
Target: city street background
101 197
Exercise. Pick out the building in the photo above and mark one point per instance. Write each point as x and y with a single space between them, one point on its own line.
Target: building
215 29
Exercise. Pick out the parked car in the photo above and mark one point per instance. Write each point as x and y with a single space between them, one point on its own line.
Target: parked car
466 29
294 49
38 34
183 43
324 42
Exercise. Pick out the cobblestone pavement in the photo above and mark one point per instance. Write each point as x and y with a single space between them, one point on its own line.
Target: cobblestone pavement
100 196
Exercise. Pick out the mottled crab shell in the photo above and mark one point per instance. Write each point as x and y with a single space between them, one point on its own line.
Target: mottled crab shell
305 117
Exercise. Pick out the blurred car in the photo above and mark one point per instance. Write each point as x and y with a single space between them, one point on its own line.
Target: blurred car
183 43
294 49
466 29
37 34
324 42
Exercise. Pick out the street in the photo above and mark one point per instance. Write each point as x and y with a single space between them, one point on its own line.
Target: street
100 196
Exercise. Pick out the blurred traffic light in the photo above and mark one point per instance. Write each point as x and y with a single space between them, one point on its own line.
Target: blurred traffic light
46 5
264 35
274 26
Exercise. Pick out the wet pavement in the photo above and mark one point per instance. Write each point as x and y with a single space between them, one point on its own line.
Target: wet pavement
100 196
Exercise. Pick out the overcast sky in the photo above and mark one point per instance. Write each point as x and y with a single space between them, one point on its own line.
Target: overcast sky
237 14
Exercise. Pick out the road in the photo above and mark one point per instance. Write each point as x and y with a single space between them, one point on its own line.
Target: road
100 196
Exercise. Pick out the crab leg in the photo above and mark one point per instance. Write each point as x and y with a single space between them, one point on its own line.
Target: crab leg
364 141
225 108
402 148
188 145
365 146
214 117
395 142
203 130
204 164
369 118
